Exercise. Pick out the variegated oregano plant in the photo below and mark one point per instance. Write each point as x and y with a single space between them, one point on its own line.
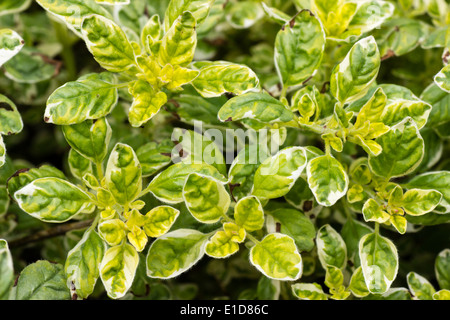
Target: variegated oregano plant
300 145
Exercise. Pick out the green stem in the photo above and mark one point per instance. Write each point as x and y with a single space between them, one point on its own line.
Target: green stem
283 93
227 218
327 148
252 238
377 228
99 167
95 222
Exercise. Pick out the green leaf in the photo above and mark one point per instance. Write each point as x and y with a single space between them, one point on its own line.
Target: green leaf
159 220
113 2
146 103
435 39
108 44
89 138
420 287
151 33
249 214
334 277
277 257
370 15
52 200
358 285
118 268
4 200
112 231
277 174
10 44
79 166
154 156
373 211
137 237
299 49
435 180
418 202
175 252
403 150
90 97
42 280
219 77
225 242
6 270
206 199
10 119
268 289
392 294
2 152
275 14
442 269
373 109
309 291
331 248
300 196
179 43
327 180
197 148
352 232
124 174
73 11
244 14
199 9
443 294
398 109
442 79
13 6
351 79
168 185
296 225
258 106
379 262
192 107
25 176
399 36
81 266
243 168
30 66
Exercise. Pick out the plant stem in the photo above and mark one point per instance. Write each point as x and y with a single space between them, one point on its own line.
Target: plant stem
377 228
252 238
50 233
99 167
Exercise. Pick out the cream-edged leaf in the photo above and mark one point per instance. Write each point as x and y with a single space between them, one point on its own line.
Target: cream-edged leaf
108 43
331 248
299 48
327 179
403 150
277 174
217 78
277 257
83 261
10 44
118 269
52 199
351 79
90 97
124 174
379 262
175 252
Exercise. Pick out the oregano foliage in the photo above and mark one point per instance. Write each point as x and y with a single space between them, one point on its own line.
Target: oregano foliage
224 149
